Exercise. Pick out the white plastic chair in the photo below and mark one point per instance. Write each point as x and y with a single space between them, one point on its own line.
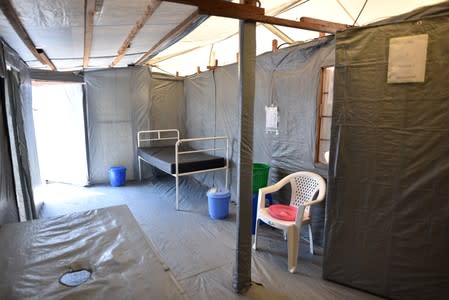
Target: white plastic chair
304 186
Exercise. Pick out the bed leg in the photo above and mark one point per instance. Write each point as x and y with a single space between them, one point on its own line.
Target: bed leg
226 179
177 193
140 168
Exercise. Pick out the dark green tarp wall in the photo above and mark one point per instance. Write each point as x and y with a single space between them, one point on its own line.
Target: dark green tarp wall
388 208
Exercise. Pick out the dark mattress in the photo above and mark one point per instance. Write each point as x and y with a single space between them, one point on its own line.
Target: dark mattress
163 158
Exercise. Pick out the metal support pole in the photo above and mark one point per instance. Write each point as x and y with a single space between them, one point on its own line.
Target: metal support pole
139 162
177 172
247 66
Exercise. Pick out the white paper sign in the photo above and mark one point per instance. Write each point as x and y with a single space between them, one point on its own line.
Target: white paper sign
271 122
407 59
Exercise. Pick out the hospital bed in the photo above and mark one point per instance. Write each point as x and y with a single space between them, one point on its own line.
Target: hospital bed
165 150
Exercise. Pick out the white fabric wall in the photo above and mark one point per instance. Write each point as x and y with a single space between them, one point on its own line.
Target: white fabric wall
118 103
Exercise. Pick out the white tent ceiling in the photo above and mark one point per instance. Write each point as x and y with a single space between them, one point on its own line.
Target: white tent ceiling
57 27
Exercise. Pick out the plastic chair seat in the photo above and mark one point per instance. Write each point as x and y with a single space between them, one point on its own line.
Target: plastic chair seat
278 223
283 212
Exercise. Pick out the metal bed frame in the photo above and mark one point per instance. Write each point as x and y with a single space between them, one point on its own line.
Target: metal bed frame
224 146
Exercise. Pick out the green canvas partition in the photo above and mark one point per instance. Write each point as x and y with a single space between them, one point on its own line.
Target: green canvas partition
387 223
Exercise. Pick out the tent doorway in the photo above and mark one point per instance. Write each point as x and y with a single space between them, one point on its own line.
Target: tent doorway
59 122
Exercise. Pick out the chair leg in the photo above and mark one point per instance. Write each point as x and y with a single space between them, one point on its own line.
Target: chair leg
310 238
293 245
255 234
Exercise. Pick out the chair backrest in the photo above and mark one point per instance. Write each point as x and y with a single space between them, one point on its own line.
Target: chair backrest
305 186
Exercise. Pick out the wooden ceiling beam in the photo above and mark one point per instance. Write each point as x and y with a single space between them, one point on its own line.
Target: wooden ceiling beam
305 23
89 12
149 10
279 33
276 31
11 14
247 12
222 8
317 23
169 37
237 11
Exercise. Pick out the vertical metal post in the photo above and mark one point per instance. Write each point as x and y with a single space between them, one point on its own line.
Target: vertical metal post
177 173
247 66
227 164
139 163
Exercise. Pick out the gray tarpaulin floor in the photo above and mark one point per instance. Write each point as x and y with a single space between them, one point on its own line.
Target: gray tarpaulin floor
200 251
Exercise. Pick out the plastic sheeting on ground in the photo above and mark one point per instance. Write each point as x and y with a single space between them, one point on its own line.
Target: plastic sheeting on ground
388 212
108 242
199 250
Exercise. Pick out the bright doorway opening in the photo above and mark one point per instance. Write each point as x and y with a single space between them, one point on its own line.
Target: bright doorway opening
59 122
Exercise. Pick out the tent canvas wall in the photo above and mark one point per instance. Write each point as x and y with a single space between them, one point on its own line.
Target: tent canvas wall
388 211
22 154
8 204
207 105
120 102
369 139
290 79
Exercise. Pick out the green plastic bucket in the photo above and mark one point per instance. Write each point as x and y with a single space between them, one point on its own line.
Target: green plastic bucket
260 176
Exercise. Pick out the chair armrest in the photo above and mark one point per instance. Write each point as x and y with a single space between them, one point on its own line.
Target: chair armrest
302 208
313 202
268 190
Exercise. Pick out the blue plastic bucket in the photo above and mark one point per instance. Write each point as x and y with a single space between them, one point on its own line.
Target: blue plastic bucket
117 175
218 203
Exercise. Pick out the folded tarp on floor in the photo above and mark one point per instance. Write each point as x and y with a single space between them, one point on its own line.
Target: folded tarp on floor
107 241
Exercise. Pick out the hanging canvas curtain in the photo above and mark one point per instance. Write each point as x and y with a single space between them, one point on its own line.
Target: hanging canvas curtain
16 92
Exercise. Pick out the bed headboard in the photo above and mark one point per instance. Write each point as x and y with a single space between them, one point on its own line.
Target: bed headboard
145 137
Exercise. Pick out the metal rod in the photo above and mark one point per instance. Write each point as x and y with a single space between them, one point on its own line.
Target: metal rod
158 139
202 150
177 176
140 167
203 139
199 171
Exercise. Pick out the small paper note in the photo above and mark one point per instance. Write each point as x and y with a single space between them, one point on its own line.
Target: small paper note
271 122
407 59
